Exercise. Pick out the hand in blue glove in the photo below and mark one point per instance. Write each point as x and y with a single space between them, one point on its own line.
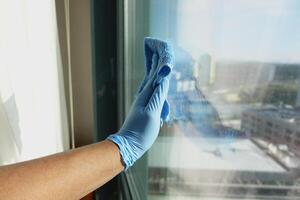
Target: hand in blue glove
142 124
165 62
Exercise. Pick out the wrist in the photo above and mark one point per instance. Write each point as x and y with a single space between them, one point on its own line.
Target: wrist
116 150
125 149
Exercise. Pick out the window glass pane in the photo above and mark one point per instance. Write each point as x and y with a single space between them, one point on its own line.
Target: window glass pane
235 98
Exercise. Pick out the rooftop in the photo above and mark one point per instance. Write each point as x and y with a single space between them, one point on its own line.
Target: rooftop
236 154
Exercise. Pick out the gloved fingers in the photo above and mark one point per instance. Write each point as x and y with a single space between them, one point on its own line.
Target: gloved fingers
161 74
165 111
144 96
148 89
164 70
143 83
148 73
159 96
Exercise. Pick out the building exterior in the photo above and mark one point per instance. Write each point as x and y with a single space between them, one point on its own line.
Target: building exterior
202 69
276 125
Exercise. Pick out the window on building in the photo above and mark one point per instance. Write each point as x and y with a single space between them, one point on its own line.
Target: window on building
238 58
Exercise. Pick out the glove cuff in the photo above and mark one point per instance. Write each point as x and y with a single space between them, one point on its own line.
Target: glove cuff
124 148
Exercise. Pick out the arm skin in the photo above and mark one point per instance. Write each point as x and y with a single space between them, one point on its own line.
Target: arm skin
68 175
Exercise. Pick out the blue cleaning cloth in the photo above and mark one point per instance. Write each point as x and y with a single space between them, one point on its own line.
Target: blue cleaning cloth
164 51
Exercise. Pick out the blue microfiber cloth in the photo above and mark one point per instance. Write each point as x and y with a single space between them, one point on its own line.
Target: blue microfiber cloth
164 51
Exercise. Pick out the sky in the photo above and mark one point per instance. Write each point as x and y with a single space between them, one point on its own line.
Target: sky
254 30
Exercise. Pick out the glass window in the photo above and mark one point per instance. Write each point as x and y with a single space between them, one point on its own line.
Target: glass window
234 96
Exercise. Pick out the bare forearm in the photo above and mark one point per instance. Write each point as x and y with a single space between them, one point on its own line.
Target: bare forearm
69 175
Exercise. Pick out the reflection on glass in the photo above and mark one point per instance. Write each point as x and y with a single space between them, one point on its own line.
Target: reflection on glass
235 97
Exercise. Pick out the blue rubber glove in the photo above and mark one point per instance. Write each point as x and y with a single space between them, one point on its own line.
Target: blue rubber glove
143 122
165 63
